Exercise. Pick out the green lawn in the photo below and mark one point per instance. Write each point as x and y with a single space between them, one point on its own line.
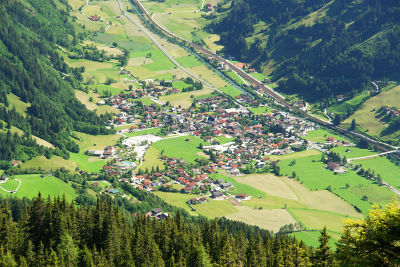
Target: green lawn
389 171
32 184
55 162
235 77
230 90
179 148
154 131
311 238
224 140
20 106
343 107
160 61
103 88
180 85
313 173
152 159
261 110
354 152
239 188
86 163
259 76
320 136
147 101
177 199
188 61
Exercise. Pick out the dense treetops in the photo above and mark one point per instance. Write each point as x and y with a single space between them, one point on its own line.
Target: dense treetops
56 233
322 48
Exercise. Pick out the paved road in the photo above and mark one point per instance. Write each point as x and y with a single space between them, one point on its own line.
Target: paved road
154 40
256 83
376 155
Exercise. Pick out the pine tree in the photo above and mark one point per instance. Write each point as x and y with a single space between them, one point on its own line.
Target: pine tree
323 255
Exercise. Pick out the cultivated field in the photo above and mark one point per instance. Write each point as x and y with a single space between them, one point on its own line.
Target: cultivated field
266 219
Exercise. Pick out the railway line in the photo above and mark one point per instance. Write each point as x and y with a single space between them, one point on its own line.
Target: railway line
256 83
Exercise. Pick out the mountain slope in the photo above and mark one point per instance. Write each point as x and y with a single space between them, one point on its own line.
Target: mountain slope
30 67
320 48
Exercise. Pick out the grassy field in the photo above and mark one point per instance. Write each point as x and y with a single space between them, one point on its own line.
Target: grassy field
238 187
261 110
86 163
320 136
179 148
316 219
55 162
313 173
177 199
259 76
216 208
311 238
20 106
353 152
95 142
266 219
152 159
389 171
366 115
184 99
189 61
32 184
230 90
154 131
351 104
224 140
301 154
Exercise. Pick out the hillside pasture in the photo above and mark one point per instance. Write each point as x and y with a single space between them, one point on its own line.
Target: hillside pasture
267 219
366 116
151 159
32 184
55 162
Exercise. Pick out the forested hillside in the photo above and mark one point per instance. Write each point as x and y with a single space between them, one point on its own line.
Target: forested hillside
320 48
55 233
31 69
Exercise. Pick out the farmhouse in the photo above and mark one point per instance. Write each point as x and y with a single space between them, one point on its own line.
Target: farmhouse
94 18
226 185
333 167
217 194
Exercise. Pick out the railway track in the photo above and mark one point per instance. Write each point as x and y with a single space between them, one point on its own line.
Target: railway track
256 83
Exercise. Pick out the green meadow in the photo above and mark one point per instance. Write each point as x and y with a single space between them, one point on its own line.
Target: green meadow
238 188
230 90
180 148
32 184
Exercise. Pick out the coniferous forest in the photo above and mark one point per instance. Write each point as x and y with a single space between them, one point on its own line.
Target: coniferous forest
53 232
320 48
32 69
